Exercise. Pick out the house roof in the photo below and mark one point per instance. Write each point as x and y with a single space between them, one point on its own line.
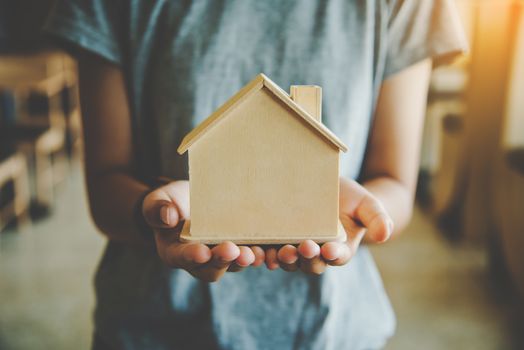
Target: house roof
253 86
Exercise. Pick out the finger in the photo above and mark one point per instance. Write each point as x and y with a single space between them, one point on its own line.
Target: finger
335 253
223 255
308 249
186 256
288 258
260 256
287 254
338 253
246 257
271 259
310 260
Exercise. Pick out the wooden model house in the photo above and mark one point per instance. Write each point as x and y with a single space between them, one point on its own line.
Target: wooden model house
263 169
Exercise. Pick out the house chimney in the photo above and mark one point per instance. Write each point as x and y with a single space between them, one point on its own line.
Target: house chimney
309 97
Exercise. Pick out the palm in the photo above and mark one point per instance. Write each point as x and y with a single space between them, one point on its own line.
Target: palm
167 207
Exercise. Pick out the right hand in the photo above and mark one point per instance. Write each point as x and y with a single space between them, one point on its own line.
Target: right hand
165 209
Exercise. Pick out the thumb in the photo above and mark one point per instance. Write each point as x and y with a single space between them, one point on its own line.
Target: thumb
169 215
160 213
362 206
166 206
372 214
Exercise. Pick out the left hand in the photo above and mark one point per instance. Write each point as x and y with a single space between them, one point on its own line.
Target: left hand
361 214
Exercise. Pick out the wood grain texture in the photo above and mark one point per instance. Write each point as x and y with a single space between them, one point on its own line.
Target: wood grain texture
263 175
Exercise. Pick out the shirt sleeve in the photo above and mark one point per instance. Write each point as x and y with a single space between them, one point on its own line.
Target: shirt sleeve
94 25
420 29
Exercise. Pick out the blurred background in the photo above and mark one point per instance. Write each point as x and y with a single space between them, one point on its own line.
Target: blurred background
456 277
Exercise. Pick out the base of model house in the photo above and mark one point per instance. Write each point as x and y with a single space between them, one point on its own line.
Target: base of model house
185 236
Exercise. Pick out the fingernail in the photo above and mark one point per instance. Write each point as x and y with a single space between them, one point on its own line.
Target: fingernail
165 214
390 227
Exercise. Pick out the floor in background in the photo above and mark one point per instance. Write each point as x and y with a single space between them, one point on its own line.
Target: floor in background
46 272
443 295
441 292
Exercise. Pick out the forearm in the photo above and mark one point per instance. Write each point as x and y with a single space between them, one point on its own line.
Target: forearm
392 157
113 197
396 197
106 119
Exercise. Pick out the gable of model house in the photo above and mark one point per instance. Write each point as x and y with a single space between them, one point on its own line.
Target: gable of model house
304 112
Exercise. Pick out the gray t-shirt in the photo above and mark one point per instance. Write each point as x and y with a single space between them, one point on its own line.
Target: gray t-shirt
183 59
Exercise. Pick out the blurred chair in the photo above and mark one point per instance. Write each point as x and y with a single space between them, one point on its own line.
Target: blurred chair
443 147
443 157
40 127
14 189
14 177
508 180
475 156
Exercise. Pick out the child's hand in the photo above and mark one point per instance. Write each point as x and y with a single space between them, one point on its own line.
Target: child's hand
165 209
360 213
